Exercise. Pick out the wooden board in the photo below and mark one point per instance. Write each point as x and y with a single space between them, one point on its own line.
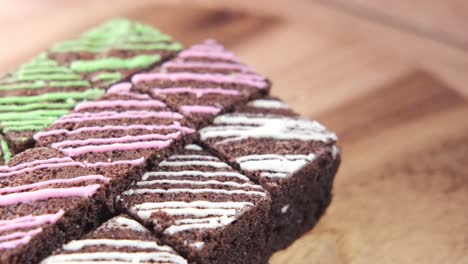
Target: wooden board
402 191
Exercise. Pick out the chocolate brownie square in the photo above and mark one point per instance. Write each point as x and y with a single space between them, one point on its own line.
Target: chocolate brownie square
115 50
35 95
46 199
119 240
293 158
203 208
202 81
116 134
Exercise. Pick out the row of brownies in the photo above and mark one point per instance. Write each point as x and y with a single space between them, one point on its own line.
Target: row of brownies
194 150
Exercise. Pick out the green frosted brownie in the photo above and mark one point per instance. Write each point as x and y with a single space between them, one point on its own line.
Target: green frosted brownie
113 51
35 95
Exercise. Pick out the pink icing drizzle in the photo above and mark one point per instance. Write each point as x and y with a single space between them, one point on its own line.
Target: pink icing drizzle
42 166
19 234
243 79
134 162
125 89
212 54
205 109
33 163
175 126
56 181
44 194
30 221
207 65
80 117
92 141
116 147
199 92
121 103
120 88
21 238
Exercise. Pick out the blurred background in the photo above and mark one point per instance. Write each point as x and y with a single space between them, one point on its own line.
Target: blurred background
390 76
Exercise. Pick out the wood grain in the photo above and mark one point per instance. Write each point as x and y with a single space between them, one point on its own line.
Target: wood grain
396 98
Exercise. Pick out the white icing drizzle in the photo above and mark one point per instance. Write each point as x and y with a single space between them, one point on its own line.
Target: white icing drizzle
117 243
193 147
204 204
273 165
201 157
268 103
126 256
124 223
211 182
194 191
238 126
215 164
191 173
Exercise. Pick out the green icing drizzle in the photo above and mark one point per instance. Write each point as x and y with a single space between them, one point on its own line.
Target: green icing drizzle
34 106
113 63
5 151
70 84
108 76
23 128
38 122
88 94
32 114
42 72
150 46
49 77
17 86
120 34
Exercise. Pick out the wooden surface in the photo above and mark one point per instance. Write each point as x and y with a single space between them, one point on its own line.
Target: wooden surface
396 98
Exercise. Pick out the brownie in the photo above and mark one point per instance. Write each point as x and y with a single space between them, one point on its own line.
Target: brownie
293 158
204 209
116 134
45 200
202 81
35 95
115 50
119 240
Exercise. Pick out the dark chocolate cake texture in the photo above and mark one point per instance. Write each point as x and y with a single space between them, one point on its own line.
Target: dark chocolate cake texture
202 81
293 158
203 208
119 240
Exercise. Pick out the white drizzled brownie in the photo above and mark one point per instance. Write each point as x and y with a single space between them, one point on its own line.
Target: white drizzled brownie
198 204
119 240
295 159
